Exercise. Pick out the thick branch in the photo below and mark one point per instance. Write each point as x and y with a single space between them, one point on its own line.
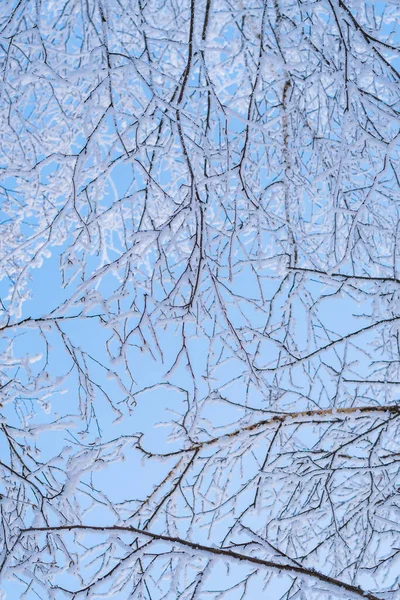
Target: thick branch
307 416
226 553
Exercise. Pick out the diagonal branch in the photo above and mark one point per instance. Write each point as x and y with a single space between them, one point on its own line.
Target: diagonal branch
210 550
350 335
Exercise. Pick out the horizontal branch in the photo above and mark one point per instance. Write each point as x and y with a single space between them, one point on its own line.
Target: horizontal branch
307 416
210 550
47 320
371 381
344 275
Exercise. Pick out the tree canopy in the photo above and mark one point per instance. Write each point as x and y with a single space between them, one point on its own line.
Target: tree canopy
199 294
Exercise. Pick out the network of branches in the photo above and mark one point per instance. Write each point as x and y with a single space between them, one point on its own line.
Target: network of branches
199 230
